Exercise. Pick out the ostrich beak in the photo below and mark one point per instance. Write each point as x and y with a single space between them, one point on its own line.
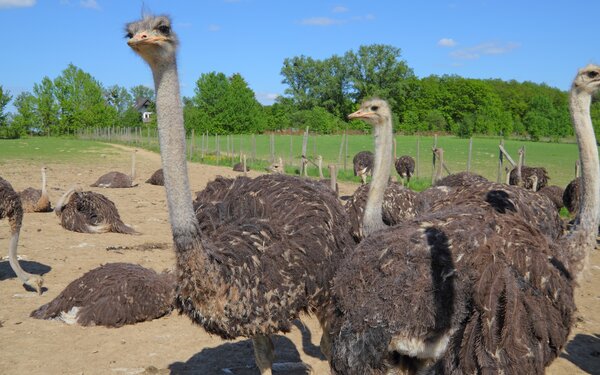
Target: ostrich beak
359 114
144 39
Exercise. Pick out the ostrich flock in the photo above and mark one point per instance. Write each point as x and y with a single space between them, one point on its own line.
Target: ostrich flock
468 276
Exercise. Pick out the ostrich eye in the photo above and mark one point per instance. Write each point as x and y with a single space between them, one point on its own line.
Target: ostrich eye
129 35
374 108
592 74
164 29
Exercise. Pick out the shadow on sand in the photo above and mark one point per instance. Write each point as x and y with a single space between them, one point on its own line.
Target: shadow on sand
584 352
36 268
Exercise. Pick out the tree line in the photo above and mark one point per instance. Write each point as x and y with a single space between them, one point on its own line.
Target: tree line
318 94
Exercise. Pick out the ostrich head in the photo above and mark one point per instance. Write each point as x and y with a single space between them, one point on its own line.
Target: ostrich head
588 79
374 111
36 282
153 39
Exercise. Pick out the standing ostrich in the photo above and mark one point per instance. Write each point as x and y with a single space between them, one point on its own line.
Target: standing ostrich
520 175
405 166
118 179
157 178
468 289
265 251
11 207
112 295
89 212
363 165
35 200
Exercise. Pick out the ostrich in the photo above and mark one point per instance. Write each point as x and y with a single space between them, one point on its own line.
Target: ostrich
461 179
112 295
11 208
405 166
571 195
520 175
35 200
157 178
241 166
554 193
89 212
469 289
276 167
363 165
118 179
264 251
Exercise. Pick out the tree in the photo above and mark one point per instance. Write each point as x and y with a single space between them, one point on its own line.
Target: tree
141 91
5 98
46 105
26 118
119 98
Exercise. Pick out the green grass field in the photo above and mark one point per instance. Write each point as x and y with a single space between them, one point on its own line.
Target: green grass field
558 158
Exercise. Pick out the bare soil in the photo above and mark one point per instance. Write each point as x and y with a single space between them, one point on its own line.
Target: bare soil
170 345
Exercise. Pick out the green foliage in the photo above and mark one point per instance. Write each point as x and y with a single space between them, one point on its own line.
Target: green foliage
26 119
5 98
46 104
141 91
317 119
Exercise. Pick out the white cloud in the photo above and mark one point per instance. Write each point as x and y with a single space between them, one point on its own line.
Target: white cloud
266 98
339 9
90 4
17 3
214 28
320 21
446 42
488 48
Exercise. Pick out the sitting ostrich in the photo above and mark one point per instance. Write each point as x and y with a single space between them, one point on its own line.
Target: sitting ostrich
117 179
35 200
468 289
112 295
554 193
461 179
11 208
520 175
363 165
571 195
405 166
242 166
89 212
157 178
276 167
261 251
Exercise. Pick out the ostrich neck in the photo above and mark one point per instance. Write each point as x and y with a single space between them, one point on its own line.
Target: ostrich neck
14 261
587 218
373 221
439 166
172 145
132 166
519 167
44 191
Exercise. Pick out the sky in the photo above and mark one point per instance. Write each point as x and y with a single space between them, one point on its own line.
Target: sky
525 40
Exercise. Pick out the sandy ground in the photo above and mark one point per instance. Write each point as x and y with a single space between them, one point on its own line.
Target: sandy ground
170 345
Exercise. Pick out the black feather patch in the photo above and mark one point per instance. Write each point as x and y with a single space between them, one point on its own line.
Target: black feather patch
500 201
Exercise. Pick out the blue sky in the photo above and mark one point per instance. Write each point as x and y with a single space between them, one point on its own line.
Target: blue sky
539 41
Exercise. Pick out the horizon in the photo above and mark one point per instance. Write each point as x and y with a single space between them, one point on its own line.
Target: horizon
472 39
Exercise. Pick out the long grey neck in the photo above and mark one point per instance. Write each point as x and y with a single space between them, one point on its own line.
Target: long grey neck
372 220
14 261
332 177
519 168
132 166
582 238
440 164
172 145
44 191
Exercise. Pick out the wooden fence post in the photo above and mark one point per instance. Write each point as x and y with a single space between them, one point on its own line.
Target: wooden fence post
469 157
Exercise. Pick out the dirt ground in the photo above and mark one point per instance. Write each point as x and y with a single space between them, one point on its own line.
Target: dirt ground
170 345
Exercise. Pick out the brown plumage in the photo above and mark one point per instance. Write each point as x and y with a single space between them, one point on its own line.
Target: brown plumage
157 178
363 165
526 173
36 200
554 193
399 204
471 287
89 212
571 195
12 209
405 166
239 167
112 295
118 180
463 179
250 259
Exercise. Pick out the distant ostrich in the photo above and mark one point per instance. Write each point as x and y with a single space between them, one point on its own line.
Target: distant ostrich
35 200
363 165
11 208
276 167
118 179
89 212
554 193
469 289
241 166
520 175
249 264
331 182
461 179
157 178
571 195
112 295
405 166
